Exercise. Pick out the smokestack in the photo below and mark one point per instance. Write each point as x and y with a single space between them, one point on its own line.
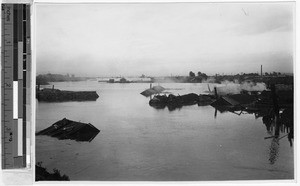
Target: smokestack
261 70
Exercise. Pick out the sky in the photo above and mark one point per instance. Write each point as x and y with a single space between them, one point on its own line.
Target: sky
162 39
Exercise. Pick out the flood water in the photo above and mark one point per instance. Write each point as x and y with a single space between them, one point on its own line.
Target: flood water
139 142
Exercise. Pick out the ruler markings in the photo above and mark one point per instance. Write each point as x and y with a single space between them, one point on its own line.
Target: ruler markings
20 23
15 99
15 43
20 81
24 115
15 138
20 137
16 56
20 60
24 27
20 98
3 30
15 89
18 161
27 150
28 84
7 15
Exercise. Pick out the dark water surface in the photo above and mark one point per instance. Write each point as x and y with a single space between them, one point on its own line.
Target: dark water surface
138 142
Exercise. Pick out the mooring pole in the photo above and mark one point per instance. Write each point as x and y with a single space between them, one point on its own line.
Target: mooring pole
216 93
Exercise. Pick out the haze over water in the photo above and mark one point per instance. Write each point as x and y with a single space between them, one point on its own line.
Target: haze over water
160 39
139 142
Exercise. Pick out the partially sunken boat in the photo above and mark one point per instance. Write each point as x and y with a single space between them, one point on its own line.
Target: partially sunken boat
153 90
172 101
56 95
68 129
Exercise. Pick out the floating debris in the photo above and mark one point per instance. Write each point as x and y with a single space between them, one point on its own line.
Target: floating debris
68 129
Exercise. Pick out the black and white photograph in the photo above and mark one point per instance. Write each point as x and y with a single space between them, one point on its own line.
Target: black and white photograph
167 91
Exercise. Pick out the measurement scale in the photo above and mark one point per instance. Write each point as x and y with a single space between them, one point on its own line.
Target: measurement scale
15 85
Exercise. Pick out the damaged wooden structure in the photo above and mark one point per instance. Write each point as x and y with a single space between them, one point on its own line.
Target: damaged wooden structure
236 101
205 99
68 129
275 106
56 95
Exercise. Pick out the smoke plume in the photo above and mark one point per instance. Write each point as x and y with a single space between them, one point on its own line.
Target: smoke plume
229 87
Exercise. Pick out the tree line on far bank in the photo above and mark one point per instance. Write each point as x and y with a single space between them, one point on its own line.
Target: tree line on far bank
44 79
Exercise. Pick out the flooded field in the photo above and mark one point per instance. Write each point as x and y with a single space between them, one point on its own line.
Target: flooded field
139 142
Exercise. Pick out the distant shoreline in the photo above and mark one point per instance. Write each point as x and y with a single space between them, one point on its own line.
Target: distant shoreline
268 79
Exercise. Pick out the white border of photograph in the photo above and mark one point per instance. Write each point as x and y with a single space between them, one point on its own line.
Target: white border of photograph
27 176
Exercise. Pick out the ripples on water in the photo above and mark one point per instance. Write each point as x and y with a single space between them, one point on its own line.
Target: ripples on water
138 142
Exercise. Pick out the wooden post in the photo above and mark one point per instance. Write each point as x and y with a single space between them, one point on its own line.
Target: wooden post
216 113
276 110
216 93
52 87
208 88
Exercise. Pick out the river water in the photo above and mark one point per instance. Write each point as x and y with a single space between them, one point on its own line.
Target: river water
138 142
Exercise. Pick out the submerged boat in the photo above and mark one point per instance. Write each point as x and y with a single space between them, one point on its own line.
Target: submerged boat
153 90
172 101
68 129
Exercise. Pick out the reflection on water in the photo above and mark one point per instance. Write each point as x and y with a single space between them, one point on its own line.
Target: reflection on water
274 149
274 128
139 142
285 126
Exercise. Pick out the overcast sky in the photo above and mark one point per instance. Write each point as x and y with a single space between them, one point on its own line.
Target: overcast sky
164 39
